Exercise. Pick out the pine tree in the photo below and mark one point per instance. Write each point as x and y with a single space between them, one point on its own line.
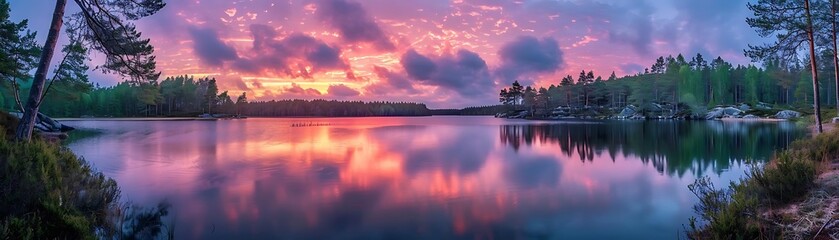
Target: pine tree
752 85
18 51
566 84
104 26
792 23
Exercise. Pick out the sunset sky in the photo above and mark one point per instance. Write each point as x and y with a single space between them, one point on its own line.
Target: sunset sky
446 53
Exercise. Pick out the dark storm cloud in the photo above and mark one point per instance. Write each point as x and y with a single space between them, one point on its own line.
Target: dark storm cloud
529 55
353 23
210 49
289 55
341 90
464 72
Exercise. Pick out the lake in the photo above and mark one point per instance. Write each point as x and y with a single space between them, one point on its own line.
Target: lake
425 177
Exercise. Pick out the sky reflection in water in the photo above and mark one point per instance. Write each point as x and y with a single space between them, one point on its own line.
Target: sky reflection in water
424 178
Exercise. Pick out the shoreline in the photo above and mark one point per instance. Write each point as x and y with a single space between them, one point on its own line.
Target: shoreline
751 120
141 119
819 207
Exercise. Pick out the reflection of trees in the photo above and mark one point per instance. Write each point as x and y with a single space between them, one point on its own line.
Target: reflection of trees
674 147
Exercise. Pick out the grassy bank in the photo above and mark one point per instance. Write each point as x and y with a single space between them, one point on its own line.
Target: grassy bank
47 192
792 197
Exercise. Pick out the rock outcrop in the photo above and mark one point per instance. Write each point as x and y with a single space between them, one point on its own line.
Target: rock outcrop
723 112
629 112
787 114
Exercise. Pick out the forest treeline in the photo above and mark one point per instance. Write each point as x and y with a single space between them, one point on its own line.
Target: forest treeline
695 83
186 96
473 111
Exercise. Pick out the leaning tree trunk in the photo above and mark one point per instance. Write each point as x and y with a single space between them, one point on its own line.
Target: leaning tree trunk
835 53
27 122
813 69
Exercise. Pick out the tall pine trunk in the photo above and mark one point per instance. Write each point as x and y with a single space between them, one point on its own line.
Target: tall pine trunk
27 122
835 53
813 67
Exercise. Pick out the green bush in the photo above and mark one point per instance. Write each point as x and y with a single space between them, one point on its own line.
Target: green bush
9 123
725 213
821 148
788 179
732 213
46 192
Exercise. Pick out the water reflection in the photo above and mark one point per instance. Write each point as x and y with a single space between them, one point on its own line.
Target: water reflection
672 147
423 178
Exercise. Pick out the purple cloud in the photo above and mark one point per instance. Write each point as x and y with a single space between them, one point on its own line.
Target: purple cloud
529 55
465 72
418 66
290 55
296 90
341 90
631 68
210 49
390 82
353 23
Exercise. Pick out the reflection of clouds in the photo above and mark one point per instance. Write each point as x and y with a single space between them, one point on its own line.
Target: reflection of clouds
463 150
427 178
533 173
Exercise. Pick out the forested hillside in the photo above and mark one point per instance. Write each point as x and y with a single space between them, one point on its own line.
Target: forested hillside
696 83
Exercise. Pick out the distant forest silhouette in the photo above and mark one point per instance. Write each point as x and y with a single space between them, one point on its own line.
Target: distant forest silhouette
185 96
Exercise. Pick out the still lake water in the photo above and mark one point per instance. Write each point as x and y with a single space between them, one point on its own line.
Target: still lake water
424 177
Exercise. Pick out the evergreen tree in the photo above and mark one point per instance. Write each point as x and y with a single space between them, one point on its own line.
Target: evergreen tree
241 102
721 82
792 23
566 84
105 27
18 52
70 82
752 87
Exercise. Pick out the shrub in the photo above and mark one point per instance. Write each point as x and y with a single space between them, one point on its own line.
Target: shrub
46 192
7 119
789 178
726 213
821 148
732 213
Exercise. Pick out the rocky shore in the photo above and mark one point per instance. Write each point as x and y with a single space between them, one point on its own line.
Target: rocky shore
759 111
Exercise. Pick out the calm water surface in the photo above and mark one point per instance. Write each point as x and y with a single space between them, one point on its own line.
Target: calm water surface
424 178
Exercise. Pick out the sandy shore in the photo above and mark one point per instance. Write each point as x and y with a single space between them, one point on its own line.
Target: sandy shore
752 120
137 119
